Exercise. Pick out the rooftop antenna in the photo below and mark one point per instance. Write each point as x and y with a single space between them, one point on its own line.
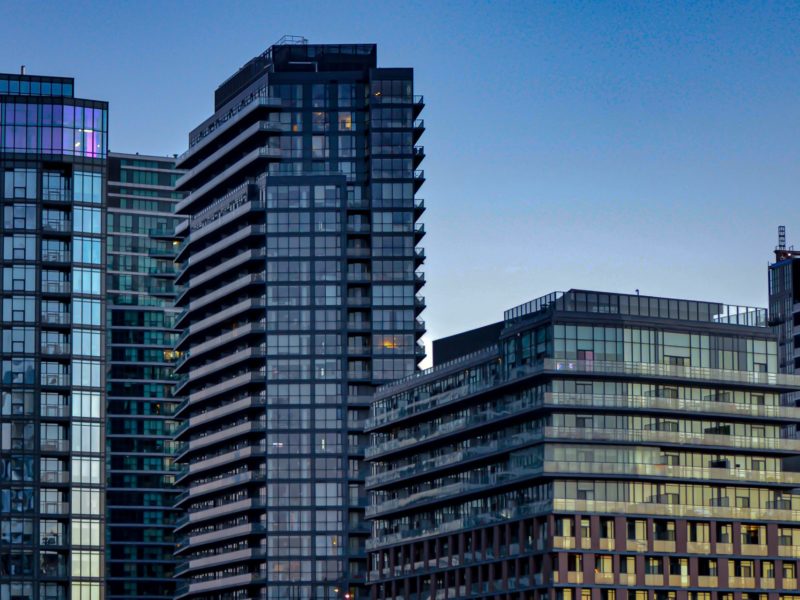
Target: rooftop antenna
22 70
781 237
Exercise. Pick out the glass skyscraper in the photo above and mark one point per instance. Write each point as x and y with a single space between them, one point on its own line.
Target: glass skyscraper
52 453
298 289
141 490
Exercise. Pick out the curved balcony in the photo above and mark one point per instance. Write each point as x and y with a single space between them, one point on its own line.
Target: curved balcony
217 513
240 307
220 341
234 239
230 585
242 404
223 483
255 132
226 266
217 536
238 169
217 560
219 130
218 437
227 361
226 387
226 459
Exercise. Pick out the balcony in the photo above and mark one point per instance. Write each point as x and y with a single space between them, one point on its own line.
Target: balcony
742 582
563 542
678 580
54 410
54 508
56 195
56 349
675 510
57 225
360 277
358 301
54 477
358 228
55 379
165 271
56 287
419 127
664 546
56 318
655 579
755 549
556 366
359 374
55 445
358 252
57 256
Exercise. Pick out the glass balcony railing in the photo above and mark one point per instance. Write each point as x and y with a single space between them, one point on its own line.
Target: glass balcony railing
476 519
676 437
55 379
54 445
56 318
52 348
675 510
57 225
56 287
61 256
557 366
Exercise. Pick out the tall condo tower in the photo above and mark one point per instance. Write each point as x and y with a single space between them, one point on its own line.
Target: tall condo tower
52 442
141 494
298 287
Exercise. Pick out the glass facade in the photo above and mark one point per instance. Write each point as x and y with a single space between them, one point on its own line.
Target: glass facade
606 445
52 430
141 478
298 285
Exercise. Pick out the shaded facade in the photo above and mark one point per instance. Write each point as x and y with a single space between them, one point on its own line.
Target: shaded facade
141 493
52 429
298 289
784 304
606 447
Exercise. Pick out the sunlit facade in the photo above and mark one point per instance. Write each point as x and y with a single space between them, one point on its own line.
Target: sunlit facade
606 447
52 429
141 491
298 289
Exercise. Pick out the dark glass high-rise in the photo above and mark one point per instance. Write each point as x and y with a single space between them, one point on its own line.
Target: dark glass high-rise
298 287
141 491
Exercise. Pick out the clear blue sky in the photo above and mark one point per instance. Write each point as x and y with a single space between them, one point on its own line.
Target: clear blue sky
597 145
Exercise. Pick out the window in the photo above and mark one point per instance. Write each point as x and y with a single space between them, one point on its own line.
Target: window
19 308
87 220
86 250
20 183
85 311
19 247
86 281
19 278
87 187
346 122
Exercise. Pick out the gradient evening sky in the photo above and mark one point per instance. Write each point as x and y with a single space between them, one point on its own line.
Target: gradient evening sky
597 145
